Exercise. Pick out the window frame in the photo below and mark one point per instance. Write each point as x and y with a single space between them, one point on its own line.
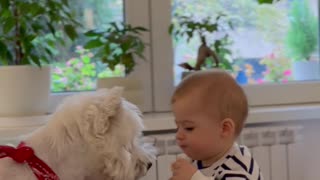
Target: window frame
291 93
156 72
136 13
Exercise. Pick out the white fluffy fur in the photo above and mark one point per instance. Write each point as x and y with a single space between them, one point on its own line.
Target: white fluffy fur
91 136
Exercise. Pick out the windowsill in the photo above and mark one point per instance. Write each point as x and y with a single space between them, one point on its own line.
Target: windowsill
270 114
10 127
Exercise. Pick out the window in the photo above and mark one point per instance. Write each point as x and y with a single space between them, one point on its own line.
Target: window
134 12
260 49
76 69
159 72
257 43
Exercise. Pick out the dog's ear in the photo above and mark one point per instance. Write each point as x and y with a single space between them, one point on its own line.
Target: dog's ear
98 116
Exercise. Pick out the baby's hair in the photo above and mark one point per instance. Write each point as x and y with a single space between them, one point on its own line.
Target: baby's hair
219 93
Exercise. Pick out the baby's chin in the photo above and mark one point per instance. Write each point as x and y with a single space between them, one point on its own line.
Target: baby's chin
192 156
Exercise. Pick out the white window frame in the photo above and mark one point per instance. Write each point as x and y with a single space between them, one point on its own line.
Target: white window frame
292 93
137 13
156 72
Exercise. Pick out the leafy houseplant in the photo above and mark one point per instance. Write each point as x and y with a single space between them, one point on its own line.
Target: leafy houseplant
218 50
23 22
119 44
301 41
302 36
30 32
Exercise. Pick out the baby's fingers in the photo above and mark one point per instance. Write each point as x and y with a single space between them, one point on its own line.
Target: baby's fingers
174 165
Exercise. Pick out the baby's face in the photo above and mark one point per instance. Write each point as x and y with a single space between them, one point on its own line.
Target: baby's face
198 134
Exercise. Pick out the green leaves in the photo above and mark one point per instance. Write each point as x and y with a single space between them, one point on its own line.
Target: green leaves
25 22
70 31
8 25
93 33
302 37
94 43
4 4
118 44
265 1
4 53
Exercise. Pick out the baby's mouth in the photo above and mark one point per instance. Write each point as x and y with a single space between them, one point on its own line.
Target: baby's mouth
183 146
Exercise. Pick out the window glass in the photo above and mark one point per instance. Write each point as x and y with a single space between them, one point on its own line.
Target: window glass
257 43
76 69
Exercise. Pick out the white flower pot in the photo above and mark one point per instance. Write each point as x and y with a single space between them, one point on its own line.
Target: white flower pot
24 90
305 70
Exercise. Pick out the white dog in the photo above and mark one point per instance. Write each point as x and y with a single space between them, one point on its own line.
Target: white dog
91 136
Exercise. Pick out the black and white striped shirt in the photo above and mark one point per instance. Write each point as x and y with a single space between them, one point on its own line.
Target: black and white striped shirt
237 164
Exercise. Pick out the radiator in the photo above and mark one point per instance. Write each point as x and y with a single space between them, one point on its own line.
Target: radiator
276 149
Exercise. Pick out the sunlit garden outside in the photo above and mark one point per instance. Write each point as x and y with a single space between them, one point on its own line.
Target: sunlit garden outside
257 43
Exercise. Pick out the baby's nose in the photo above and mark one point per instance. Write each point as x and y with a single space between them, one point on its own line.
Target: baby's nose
179 135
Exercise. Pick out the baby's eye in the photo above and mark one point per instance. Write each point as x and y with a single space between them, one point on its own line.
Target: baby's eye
189 129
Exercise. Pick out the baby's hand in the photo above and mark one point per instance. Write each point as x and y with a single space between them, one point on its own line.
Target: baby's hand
182 170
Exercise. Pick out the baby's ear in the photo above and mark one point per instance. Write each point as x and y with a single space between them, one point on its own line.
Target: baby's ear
227 127
99 116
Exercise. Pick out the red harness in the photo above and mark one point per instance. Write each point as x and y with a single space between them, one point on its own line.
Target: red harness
25 154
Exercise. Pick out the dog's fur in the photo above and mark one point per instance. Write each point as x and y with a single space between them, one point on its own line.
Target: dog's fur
92 136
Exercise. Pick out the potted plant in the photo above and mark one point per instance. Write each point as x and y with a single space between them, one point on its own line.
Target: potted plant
30 31
119 45
302 41
216 53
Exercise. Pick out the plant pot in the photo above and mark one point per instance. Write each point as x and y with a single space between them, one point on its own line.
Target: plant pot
24 90
133 89
305 70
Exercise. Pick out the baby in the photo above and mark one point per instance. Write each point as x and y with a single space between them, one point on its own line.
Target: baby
210 109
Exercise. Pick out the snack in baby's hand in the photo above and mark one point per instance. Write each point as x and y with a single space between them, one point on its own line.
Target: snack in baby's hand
184 156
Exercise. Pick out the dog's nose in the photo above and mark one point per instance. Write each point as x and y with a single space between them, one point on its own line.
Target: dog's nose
149 165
